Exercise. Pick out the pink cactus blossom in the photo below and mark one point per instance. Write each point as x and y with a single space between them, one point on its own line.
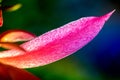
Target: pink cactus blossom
45 49
55 44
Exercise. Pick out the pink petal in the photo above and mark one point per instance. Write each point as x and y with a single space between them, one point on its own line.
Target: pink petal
16 35
56 44
8 45
12 73
1 18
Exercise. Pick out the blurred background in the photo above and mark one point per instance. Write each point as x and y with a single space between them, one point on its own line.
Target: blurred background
99 60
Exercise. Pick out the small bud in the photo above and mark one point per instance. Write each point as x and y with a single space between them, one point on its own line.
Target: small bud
13 7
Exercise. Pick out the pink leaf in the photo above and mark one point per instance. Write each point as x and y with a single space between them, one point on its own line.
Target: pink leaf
16 35
56 44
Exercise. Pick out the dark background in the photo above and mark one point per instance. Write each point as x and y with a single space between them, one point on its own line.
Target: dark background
99 60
